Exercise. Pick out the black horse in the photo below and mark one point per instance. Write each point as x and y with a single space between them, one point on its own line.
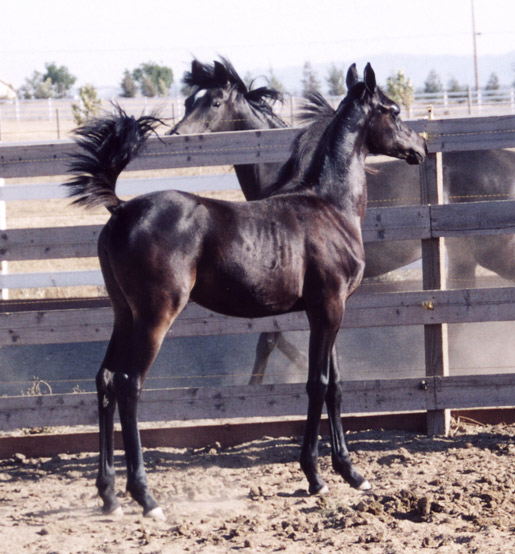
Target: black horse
221 101
297 251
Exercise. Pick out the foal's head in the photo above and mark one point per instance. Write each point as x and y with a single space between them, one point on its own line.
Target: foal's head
221 101
386 132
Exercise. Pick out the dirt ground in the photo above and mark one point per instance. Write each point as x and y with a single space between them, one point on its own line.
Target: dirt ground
450 494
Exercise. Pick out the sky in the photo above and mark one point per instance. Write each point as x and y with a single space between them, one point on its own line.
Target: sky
98 39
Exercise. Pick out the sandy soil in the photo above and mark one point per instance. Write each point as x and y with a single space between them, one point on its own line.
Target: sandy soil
447 494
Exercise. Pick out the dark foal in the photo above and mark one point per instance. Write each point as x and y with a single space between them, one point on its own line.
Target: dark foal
297 251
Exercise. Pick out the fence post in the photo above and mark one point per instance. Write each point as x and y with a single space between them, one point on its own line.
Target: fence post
433 277
57 123
4 293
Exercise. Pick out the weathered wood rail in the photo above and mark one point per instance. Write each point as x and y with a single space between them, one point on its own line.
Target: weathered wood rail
432 308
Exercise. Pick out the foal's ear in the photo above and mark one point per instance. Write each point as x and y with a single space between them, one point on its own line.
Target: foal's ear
352 76
220 73
370 78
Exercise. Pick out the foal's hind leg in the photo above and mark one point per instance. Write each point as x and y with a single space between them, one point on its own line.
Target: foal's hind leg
133 347
106 408
147 336
340 455
106 473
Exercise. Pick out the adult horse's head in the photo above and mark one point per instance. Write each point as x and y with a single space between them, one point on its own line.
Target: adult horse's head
221 101
386 132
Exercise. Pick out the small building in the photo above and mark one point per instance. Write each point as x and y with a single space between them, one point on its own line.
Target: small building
7 91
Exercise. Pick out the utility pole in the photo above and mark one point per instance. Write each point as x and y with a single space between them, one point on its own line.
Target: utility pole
474 34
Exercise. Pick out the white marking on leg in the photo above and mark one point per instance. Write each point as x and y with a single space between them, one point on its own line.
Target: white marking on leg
157 513
117 512
365 486
322 491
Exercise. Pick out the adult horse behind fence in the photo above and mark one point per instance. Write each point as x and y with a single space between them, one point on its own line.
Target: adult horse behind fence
297 251
221 101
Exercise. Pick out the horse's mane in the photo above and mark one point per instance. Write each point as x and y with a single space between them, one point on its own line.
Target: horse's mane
316 113
205 76
315 108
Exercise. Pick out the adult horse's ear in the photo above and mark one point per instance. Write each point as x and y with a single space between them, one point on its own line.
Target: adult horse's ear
196 69
220 73
370 78
352 76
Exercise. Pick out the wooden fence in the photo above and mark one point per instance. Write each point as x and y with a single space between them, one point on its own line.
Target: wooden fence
436 393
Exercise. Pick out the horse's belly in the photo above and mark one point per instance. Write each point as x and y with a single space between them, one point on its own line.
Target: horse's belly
248 295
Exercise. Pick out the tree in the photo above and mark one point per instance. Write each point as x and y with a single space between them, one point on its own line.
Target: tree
36 87
153 79
336 81
274 83
400 88
89 106
149 88
310 82
54 83
492 85
128 85
493 82
62 80
433 84
454 86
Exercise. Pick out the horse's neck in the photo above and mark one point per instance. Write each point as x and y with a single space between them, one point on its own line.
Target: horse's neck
341 174
255 179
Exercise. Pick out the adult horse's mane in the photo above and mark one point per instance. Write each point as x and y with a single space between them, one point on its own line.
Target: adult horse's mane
205 76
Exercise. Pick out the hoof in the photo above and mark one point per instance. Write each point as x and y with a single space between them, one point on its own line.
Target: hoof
319 490
117 512
365 486
156 513
322 491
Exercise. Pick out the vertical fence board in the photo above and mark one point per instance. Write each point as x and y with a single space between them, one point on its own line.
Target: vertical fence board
433 277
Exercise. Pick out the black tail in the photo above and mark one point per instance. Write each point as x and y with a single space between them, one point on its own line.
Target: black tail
107 145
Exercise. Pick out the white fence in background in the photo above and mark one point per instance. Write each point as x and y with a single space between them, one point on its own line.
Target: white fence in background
58 113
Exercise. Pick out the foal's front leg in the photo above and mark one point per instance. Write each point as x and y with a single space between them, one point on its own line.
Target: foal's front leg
324 325
340 455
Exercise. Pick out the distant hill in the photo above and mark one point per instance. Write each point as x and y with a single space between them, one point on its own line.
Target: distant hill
415 67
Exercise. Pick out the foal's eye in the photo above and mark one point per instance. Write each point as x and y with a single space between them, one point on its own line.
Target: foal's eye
216 104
